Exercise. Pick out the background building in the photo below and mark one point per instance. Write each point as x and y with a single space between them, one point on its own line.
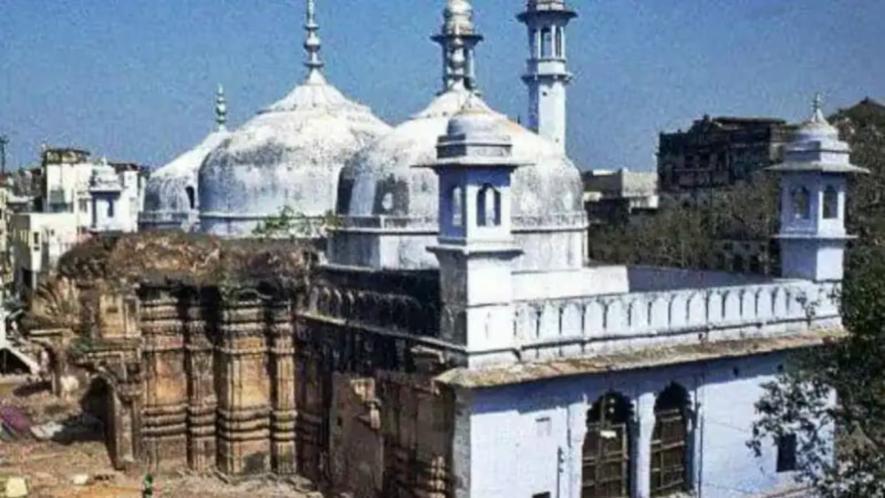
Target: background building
77 197
718 152
616 196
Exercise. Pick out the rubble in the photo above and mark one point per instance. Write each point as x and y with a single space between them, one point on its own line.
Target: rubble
13 487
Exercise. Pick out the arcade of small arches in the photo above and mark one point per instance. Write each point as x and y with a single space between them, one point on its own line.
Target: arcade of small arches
392 311
609 453
548 42
666 309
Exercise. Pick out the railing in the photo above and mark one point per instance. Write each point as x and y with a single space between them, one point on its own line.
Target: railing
678 316
430 222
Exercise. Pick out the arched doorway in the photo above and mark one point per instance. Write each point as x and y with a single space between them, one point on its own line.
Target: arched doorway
669 444
606 452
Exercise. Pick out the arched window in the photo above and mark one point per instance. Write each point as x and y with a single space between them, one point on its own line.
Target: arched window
560 43
488 211
801 201
191 197
457 207
737 265
831 203
669 443
546 43
605 469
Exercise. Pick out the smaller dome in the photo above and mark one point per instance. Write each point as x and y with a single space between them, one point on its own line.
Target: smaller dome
473 120
817 128
171 196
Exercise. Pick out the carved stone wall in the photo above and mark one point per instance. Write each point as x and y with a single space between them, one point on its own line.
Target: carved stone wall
259 379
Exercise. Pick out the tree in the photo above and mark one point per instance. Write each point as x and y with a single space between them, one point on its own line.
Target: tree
289 224
837 390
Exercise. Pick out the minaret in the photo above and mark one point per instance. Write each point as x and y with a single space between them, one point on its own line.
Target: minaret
458 38
547 74
813 198
312 44
475 248
220 109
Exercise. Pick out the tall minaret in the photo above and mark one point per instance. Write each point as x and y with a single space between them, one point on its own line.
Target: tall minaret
220 109
458 39
312 44
547 73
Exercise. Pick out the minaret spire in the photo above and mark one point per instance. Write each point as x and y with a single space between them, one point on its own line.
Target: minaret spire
312 42
220 109
458 39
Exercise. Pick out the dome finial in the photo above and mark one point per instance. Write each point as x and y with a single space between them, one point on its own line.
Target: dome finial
817 113
312 43
458 38
457 63
220 109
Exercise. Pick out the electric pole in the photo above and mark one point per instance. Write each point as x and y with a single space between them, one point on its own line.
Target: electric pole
4 140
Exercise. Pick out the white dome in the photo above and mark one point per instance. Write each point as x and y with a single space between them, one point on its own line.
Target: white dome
170 198
289 155
380 182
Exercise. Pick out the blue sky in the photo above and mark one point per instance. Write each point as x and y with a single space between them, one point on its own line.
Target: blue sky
134 79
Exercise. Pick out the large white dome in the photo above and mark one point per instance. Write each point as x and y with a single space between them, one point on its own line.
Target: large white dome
381 189
289 155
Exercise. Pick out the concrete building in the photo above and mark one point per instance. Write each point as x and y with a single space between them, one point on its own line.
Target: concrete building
79 197
37 241
70 180
172 200
453 343
613 197
718 152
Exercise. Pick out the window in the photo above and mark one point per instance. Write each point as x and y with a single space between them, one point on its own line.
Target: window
560 43
541 495
801 201
36 238
83 205
488 211
546 43
786 453
457 207
669 444
191 197
605 465
110 208
831 203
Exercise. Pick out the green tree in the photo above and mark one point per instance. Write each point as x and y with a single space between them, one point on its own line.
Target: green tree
838 389
289 224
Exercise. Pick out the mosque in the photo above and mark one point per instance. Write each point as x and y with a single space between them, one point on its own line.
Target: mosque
454 341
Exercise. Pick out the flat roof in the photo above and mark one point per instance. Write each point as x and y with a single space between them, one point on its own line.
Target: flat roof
637 359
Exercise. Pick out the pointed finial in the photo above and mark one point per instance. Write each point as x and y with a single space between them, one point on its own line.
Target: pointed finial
457 63
817 112
220 109
312 42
